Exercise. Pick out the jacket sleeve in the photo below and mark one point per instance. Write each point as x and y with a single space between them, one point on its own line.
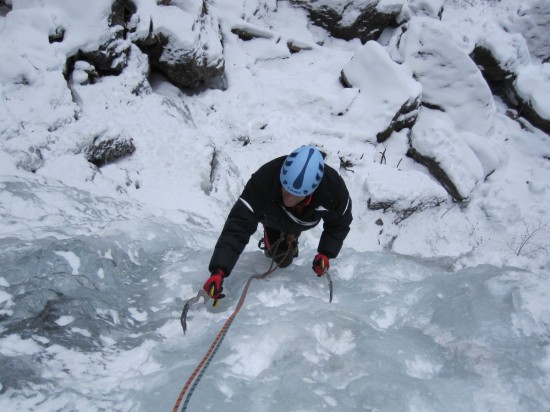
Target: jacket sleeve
241 223
336 224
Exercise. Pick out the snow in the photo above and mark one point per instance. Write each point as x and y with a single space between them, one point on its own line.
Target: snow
443 309
72 259
64 320
430 8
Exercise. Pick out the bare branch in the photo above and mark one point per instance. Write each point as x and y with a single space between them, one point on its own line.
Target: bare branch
530 243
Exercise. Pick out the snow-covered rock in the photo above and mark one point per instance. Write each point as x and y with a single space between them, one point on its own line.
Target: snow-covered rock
451 81
436 144
183 43
388 90
427 8
32 86
486 152
506 63
500 54
532 87
402 192
356 19
108 147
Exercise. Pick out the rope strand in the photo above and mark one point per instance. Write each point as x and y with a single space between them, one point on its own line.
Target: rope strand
192 383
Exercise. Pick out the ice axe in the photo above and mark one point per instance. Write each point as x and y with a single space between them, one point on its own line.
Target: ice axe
327 275
183 319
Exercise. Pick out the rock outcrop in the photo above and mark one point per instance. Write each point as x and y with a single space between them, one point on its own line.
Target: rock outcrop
363 20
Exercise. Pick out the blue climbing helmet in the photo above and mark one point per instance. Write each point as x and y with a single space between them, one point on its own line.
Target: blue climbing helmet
302 171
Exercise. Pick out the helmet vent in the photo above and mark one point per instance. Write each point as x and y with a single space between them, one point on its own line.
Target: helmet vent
302 171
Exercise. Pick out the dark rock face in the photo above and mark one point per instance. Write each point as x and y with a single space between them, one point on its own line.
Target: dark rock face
504 57
534 117
499 78
4 8
493 70
368 25
403 119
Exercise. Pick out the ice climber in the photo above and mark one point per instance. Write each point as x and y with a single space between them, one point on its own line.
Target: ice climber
287 195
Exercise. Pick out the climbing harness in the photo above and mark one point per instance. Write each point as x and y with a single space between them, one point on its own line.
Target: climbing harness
199 371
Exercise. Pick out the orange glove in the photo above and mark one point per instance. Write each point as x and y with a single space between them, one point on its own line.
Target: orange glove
320 264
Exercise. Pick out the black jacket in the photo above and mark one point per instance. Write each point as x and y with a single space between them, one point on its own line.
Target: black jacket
262 202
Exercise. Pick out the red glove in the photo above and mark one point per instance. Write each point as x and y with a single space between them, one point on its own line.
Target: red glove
320 264
213 286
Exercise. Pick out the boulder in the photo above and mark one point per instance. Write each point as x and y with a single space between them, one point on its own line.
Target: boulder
451 81
296 46
111 57
402 192
56 35
247 31
506 63
356 19
388 93
532 89
500 55
108 147
185 45
437 145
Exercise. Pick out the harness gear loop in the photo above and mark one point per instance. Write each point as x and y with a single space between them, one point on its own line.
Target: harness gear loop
197 374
